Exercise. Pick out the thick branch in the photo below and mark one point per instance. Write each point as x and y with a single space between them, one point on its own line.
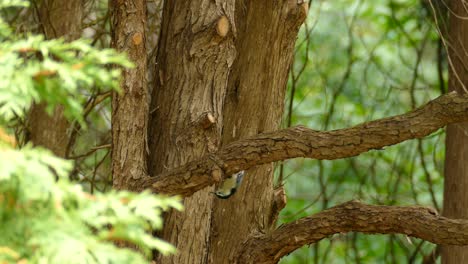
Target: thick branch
353 216
304 142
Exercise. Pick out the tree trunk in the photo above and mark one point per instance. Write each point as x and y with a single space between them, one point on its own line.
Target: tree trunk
456 161
130 106
193 64
58 19
255 104
222 70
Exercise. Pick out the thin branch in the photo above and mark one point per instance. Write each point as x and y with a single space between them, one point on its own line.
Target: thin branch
304 142
92 102
354 216
91 151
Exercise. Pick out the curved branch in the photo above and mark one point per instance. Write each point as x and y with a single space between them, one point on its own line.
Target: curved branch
353 216
304 142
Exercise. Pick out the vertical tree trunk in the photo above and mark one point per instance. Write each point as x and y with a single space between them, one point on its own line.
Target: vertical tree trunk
49 131
255 104
130 107
58 19
195 55
456 161
61 18
222 67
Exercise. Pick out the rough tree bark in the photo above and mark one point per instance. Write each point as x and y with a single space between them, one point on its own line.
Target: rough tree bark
254 104
304 142
353 216
58 19
221 72
229 61
195 55
130 106
456 161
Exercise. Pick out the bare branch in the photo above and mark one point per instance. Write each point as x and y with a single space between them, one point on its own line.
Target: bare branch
304 142
354 216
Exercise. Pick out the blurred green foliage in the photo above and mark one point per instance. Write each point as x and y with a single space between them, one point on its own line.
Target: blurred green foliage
358 61
44 218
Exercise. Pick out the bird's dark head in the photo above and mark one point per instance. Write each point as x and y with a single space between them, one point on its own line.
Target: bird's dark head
229 186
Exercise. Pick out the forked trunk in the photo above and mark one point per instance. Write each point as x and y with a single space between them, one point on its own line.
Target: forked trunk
222 70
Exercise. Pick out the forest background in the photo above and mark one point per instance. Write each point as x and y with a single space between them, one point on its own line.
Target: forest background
354 61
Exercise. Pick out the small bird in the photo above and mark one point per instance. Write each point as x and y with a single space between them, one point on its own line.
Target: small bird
229 186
